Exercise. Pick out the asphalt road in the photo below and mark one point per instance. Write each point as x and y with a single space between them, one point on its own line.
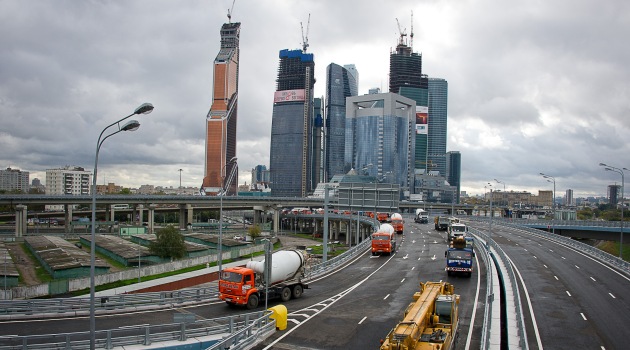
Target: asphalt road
577 302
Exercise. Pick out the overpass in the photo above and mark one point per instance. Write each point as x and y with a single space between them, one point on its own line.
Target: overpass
584 229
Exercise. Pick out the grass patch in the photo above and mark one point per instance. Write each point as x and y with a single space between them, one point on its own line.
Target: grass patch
612 247
42 275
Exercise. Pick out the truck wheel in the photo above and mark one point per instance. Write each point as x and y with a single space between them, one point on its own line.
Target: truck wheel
297 291
285 295
252 302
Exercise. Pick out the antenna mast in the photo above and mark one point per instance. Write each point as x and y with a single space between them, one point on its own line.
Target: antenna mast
230 12
305 37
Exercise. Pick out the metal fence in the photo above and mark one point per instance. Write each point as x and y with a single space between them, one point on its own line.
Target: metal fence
245 328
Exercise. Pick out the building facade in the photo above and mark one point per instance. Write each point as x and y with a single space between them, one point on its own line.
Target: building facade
454 172
340 84
438 108
222 117
292 159
68 181
14 180
379 137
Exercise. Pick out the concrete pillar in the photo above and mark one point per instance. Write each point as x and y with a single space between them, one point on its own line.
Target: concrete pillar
67 215
151 218
112 213
191 214
20 220
182 215
257 219
276 221
337 229
138 214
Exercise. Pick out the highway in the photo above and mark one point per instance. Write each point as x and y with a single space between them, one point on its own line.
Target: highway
576 301
570 300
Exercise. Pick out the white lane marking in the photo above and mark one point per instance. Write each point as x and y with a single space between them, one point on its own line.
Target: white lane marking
563 258
551 250
387 296
529 304
584 317
525 249
412 268
545 266
474 312
418 258
535 257
611 294
577 266
433 258
569 294
556 277
406 256
294 321
402 280
363 319
594 280
134 326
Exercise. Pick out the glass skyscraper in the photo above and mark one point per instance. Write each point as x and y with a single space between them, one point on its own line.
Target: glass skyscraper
379 137
454 171
341 82
438 99
221 120
293 136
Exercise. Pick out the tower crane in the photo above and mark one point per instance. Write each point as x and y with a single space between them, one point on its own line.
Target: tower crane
305 37
403 34
230 12
411 34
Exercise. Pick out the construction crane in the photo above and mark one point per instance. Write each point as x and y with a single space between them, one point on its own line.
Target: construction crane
403 34
411 34
230 12
305 37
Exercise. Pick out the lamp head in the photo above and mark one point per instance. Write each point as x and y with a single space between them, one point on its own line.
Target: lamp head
232 160
131 125
602 164
144 108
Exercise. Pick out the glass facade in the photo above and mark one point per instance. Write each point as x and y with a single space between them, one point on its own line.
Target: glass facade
221 119
293 162
340 83
454 171
438 99
379 137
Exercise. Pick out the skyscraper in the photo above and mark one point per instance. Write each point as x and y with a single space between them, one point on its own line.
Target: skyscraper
291 159
340 83
379 137
221 119
454 171
406 79
438 99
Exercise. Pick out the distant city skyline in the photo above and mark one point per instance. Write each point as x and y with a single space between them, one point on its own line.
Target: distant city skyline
534 89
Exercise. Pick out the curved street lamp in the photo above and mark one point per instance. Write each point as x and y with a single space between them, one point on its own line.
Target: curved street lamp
131 125
618 171
503 194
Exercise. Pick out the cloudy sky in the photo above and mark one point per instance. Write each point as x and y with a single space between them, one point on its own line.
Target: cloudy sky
534 86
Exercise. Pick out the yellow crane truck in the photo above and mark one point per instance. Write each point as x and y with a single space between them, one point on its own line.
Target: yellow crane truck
430 321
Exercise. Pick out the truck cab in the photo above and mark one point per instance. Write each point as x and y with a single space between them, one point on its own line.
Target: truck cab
235 284
459 257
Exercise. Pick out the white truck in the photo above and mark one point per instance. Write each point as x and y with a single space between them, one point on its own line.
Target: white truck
422 216
246 285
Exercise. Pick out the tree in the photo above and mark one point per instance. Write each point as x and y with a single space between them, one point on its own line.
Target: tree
169 243
254 232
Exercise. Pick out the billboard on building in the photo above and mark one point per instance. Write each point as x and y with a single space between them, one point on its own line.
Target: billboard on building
422 120
289 95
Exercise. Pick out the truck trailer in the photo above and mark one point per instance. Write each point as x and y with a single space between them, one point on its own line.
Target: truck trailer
421 217
441 223
245 286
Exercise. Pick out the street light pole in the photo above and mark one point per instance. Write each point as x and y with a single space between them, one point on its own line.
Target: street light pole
503 195
491 216
553 201
131 125
618 171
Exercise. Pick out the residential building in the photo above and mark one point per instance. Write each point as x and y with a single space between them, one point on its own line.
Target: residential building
291 159
568 198
340 84
67 181
14 180
222 117
379 137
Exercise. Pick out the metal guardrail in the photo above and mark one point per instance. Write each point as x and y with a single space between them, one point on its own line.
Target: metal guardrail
244 327
69 307
515 291
487 312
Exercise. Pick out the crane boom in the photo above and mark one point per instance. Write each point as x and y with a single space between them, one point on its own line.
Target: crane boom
403 33
229 15
305 37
